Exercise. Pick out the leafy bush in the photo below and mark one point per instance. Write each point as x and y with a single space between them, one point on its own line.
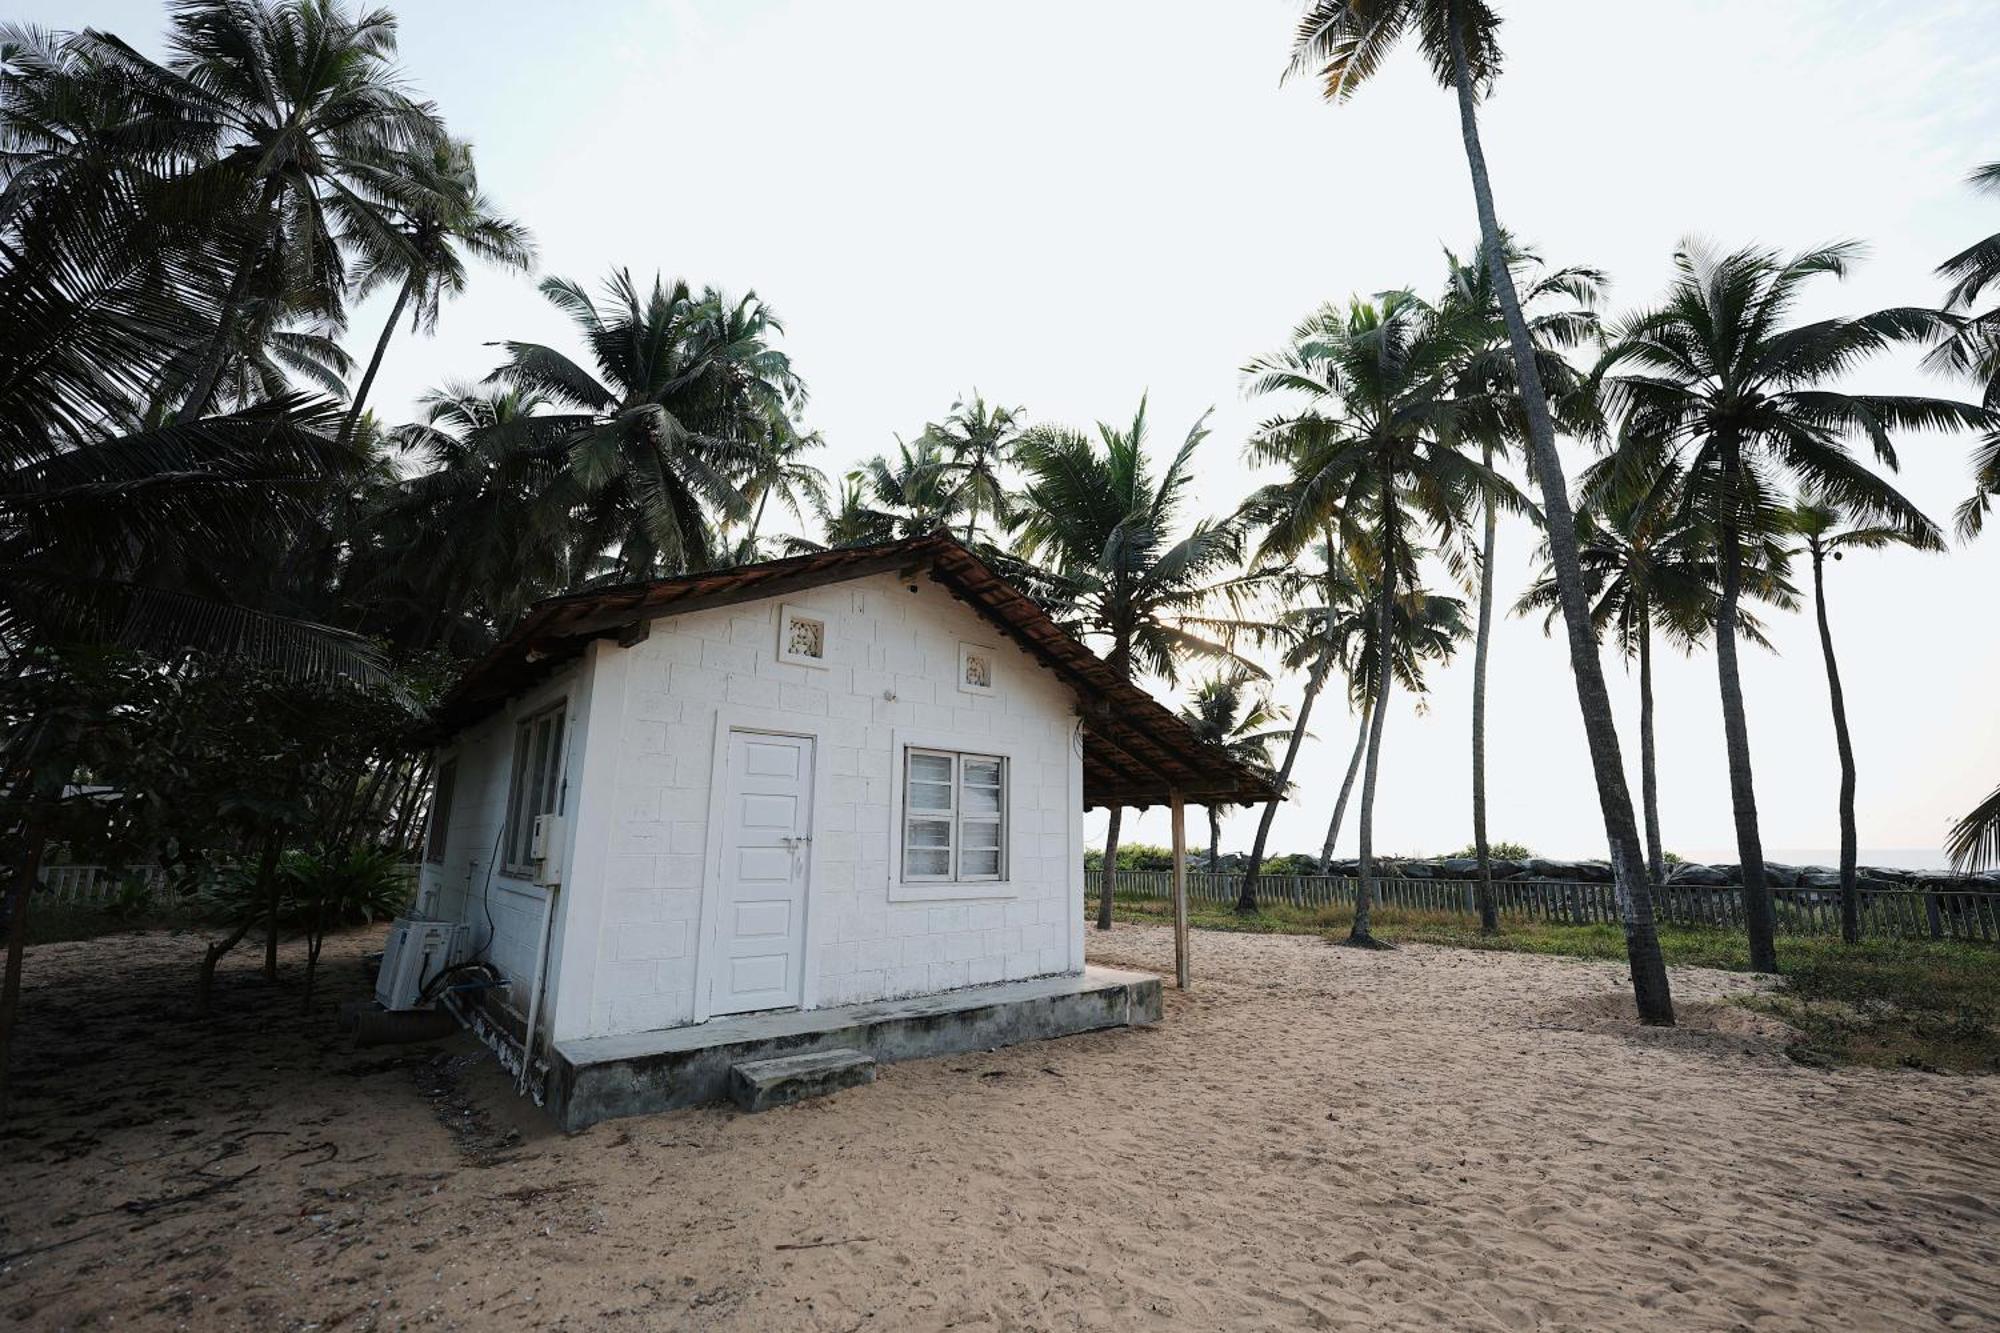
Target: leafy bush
1133 856
1506 851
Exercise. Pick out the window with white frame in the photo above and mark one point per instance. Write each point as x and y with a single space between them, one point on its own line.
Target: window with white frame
447 780
537 785
954 816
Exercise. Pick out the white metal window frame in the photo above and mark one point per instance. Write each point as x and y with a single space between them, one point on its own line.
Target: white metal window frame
955 881
542 788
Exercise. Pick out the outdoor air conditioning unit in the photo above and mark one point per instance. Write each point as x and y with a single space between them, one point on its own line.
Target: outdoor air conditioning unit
545 848
416 952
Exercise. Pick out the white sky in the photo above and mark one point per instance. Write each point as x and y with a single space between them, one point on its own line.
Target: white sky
1066 205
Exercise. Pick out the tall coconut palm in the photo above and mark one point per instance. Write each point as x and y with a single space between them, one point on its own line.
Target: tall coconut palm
844 520
684 389
777 467
419 215
911 492
1829 534
1309 630
1649 570
1102 525
480 531
1720 381
1221 714
1559 308
975 442
1973 349
292 96
1428 628
1374 455
1342 43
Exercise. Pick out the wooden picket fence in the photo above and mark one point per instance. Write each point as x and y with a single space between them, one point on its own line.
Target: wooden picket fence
92 885
1940 913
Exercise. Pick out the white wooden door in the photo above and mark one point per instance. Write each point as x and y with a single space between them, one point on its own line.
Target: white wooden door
760 933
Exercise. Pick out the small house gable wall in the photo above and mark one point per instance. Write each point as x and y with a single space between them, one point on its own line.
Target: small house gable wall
890 678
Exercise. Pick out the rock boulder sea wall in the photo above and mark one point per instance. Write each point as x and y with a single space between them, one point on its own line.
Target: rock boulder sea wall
1777 874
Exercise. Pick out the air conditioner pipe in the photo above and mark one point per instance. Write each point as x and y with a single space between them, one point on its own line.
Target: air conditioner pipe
535 992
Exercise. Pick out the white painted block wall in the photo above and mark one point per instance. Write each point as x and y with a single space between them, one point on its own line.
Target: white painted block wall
504 913
629 957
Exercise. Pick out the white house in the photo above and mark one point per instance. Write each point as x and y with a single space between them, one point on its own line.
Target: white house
793 790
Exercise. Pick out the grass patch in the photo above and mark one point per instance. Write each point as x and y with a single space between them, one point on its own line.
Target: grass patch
1918 1004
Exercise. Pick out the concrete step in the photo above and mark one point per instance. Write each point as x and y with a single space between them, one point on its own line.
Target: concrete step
759 1085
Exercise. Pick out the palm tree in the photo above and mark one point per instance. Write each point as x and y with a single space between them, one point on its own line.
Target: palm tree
779 468
1648 570
1312 645
1559 307
480 531
1342 43
1973 349
845 521
911 493
685 389
290 98
423 213
1220 715
975 441
1428 628
1373 454
1730 391
1101 528
1828 532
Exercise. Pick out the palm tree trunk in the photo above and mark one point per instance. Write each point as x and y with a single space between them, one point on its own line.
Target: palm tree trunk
375 361
1214 837
1850 888
1109 876
216 355
1489 912
1246 900
1346 787
1614 798
20 894
1759 921
1649 772
1364 895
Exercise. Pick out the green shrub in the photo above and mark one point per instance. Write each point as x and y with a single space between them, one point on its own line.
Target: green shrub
1506 851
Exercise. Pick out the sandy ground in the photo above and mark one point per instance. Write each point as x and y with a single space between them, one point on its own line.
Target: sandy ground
1313 1138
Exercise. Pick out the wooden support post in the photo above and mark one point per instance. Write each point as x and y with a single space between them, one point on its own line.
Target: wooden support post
1180 890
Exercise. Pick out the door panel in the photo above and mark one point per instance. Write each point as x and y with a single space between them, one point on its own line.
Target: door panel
759 938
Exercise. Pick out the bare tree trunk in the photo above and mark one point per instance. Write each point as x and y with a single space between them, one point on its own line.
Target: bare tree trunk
1850 887
1214 838
267 870
375 362
1346 787
1614 798
1364 895
1489 911
20 894
1246 901
1649 772
1760 921
1110 873
270 927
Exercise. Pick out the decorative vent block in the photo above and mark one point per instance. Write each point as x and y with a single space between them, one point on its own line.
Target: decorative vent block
975 668
802 636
